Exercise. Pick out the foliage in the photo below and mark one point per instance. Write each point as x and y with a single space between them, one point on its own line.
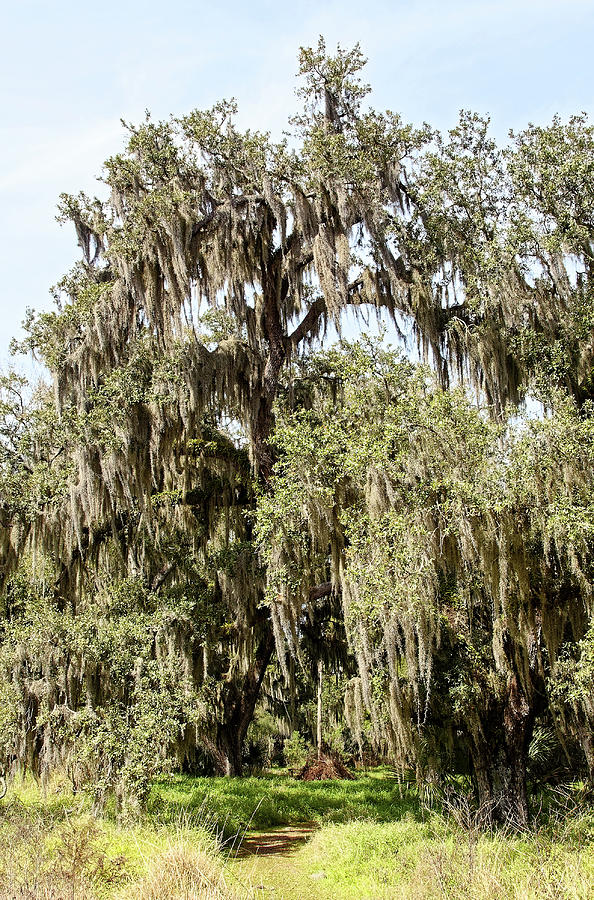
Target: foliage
461 550
110 695
295 752
432 551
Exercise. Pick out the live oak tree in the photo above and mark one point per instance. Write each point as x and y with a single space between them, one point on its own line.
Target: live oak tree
217 261
498 246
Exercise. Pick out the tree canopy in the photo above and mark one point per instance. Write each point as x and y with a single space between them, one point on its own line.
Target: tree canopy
193 453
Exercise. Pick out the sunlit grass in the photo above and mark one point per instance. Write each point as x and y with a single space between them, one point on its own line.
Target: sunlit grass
272 800
373 841
436 859
52 845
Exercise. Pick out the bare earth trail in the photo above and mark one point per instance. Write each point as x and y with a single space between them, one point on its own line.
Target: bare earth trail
266 860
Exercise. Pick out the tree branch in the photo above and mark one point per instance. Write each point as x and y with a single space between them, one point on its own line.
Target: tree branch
309 321
321 590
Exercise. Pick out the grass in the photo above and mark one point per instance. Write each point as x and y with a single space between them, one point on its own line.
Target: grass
373 841
233 804
437 859
376 841
51 846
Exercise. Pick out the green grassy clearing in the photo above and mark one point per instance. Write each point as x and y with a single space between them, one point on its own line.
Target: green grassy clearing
233 804
373 841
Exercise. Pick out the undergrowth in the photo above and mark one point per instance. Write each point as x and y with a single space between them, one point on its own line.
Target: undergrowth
374 840
52 846
439 859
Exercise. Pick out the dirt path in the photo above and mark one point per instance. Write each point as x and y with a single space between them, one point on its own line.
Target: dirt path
266 861
277 842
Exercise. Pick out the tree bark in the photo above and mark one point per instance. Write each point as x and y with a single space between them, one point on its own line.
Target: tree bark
499 766
518 721
319 719
240 703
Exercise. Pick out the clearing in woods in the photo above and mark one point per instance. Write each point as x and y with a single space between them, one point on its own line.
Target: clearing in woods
269 861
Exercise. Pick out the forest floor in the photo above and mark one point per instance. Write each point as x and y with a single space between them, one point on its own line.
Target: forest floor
274 838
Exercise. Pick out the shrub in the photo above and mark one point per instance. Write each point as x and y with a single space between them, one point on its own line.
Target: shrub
295 752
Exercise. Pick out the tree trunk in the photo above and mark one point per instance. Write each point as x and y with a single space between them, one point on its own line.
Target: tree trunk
240 703
499 766
586 739
319 721
292 687
229 751
518 721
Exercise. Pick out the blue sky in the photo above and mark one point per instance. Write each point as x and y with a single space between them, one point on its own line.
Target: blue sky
70 71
